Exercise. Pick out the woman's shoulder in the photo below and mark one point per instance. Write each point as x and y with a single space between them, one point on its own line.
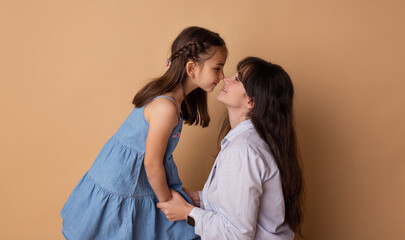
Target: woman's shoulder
251 144
248 139
248 154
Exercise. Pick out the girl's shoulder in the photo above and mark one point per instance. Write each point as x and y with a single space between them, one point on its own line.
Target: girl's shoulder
162 108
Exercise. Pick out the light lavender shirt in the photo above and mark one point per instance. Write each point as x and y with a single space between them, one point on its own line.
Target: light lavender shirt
243 197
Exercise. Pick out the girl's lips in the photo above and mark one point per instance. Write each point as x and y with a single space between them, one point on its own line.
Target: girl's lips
223 90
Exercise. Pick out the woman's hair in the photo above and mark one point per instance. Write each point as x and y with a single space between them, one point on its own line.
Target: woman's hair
272 91
196 44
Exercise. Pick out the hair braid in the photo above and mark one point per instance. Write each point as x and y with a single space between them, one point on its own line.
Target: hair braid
186 49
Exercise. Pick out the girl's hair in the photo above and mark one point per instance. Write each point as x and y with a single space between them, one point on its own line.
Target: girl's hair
195 44
272 91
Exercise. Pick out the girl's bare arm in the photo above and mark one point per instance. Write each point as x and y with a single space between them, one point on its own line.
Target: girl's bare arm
162 117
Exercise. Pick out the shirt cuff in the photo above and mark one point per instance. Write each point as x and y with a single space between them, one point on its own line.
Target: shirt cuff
197 213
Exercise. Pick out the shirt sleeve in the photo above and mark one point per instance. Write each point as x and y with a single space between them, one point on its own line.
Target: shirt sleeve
238 189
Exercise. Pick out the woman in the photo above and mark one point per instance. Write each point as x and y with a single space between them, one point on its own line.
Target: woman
254 190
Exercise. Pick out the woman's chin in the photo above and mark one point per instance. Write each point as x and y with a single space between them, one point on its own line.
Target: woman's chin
219 98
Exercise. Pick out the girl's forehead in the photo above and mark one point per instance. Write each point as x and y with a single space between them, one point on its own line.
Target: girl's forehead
219 57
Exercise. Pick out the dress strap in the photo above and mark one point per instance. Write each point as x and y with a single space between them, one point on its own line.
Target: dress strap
164 96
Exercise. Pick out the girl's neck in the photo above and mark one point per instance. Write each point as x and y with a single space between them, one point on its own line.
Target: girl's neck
177 94
236 116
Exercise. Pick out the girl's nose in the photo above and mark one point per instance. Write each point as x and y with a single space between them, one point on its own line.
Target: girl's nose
222 75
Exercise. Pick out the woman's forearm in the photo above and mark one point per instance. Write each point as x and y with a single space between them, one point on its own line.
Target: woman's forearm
195 197
157 178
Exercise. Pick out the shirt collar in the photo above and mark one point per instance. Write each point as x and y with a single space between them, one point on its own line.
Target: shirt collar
241 127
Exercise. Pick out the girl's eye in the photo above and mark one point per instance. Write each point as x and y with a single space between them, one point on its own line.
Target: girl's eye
217 69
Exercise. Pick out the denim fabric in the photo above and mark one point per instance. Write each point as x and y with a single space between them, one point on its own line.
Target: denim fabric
114 199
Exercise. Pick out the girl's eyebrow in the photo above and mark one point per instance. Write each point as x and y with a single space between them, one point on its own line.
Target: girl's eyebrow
220 64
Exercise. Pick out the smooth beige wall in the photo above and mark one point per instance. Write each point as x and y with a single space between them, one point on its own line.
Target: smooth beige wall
69 70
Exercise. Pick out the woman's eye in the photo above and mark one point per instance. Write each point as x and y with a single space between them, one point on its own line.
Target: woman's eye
217 69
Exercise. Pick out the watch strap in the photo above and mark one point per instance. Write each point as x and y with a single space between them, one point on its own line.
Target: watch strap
190 221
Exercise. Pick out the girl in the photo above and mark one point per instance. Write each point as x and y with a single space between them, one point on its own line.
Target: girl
254 189
116 198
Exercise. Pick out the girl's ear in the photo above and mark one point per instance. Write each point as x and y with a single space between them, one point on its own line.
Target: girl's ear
251 103
190 66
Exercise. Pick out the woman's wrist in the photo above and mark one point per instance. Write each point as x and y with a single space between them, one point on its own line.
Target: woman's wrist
187 210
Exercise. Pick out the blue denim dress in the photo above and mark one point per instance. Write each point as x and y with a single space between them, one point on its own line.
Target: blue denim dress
114 199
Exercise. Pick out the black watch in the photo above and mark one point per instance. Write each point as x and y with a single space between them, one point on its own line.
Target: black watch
190 221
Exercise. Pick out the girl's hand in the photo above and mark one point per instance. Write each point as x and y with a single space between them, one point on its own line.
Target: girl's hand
175 209
194 196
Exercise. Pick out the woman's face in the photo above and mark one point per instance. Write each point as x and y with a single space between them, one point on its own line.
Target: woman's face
233 94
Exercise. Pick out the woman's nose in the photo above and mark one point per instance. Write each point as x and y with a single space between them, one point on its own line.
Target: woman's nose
226 79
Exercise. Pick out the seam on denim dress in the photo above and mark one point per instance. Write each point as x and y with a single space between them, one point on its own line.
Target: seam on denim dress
119 140
126 222
125 195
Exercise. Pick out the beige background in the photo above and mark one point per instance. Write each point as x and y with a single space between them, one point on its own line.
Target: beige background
69 70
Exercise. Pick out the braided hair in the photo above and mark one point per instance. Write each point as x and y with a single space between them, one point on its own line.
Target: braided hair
186 48
195 44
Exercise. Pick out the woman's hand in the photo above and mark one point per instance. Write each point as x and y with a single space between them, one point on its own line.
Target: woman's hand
175 209
194 196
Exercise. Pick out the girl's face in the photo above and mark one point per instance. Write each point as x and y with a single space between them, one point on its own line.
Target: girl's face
210 73
233 94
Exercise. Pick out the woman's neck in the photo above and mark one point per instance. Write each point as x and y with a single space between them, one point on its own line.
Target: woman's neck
236 116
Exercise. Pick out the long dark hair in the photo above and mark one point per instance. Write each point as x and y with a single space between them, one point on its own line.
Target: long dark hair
196 44
272 91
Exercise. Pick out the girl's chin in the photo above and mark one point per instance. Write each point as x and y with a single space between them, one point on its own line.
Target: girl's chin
209 89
